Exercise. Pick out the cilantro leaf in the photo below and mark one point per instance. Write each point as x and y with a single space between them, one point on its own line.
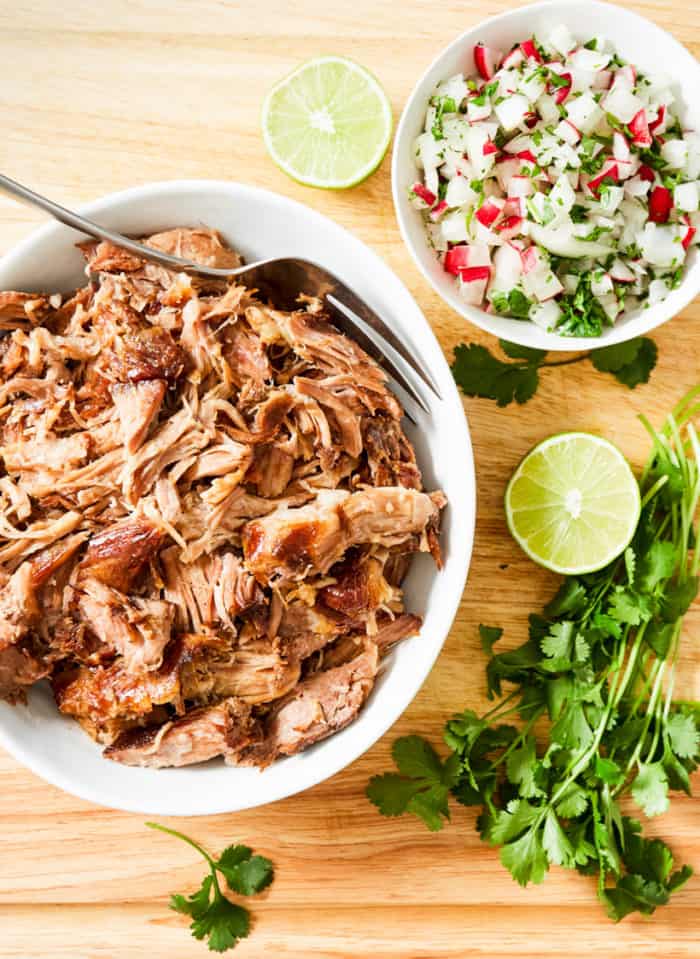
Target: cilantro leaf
650 789
517 352
511 822
479 373
244 873
422 785
214 917
525 858
555 842
489 637
683 735
391 793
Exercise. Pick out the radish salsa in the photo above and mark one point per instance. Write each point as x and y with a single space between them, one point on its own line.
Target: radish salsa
558 184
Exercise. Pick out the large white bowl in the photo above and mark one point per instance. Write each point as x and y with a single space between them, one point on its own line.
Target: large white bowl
260 224
637 40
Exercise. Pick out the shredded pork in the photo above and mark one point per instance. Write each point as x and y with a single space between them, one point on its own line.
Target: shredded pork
207 509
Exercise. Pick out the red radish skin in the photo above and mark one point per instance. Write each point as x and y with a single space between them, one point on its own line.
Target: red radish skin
438 210
513 59
660 204
530 258
527 155
456 260
562 93
509 227
659 119
488 213
646 173
426 195
486 61
530 50
574 128
610 169
489 148
639 125
473 274
689 236
530 120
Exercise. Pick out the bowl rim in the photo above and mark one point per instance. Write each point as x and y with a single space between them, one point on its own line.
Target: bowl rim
532 335
461 541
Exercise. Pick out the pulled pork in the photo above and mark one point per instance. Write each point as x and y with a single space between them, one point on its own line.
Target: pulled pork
207 509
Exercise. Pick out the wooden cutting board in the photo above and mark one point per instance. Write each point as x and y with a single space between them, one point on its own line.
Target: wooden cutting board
95 97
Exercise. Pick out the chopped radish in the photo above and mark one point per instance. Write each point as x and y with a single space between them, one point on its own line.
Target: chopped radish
423 193
526 155
601 284
531 259
520 186
685 197
530 51
568 132
513 59
507 267
621 149
438 210
603 80
591 60
660 246
477 111
459 192
486 60
471 273
515 206
687 235
489 212
646 173
659 124
609 170
622 103
561 39
620 272
639 125
562 92
506 169
531 119
546 315
453 227
584 113
512 111
660 204
456 259
490 147
509 227
675 153
626 77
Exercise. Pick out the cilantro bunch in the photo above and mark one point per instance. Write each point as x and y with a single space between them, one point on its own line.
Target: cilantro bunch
592 688
214 917
478 372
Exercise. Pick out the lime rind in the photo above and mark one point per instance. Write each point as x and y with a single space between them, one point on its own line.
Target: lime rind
573 503
328 124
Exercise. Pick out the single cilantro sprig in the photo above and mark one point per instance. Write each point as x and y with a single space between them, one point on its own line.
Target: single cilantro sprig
596 676
214 917
479 373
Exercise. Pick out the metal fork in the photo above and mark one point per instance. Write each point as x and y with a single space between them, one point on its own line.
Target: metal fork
282 281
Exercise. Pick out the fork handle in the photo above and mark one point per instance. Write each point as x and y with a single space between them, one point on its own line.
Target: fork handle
18 192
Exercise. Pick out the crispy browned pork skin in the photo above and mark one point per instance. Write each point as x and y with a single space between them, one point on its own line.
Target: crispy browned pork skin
207 509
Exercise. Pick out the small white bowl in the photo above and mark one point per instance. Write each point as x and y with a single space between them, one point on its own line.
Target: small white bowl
635 39
260 224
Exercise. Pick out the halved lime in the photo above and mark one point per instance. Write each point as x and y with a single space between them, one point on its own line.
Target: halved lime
573 504
328 124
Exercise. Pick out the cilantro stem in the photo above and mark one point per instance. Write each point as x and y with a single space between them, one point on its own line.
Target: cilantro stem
190 842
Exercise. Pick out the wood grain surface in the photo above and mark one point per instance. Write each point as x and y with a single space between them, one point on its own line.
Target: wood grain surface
98 96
